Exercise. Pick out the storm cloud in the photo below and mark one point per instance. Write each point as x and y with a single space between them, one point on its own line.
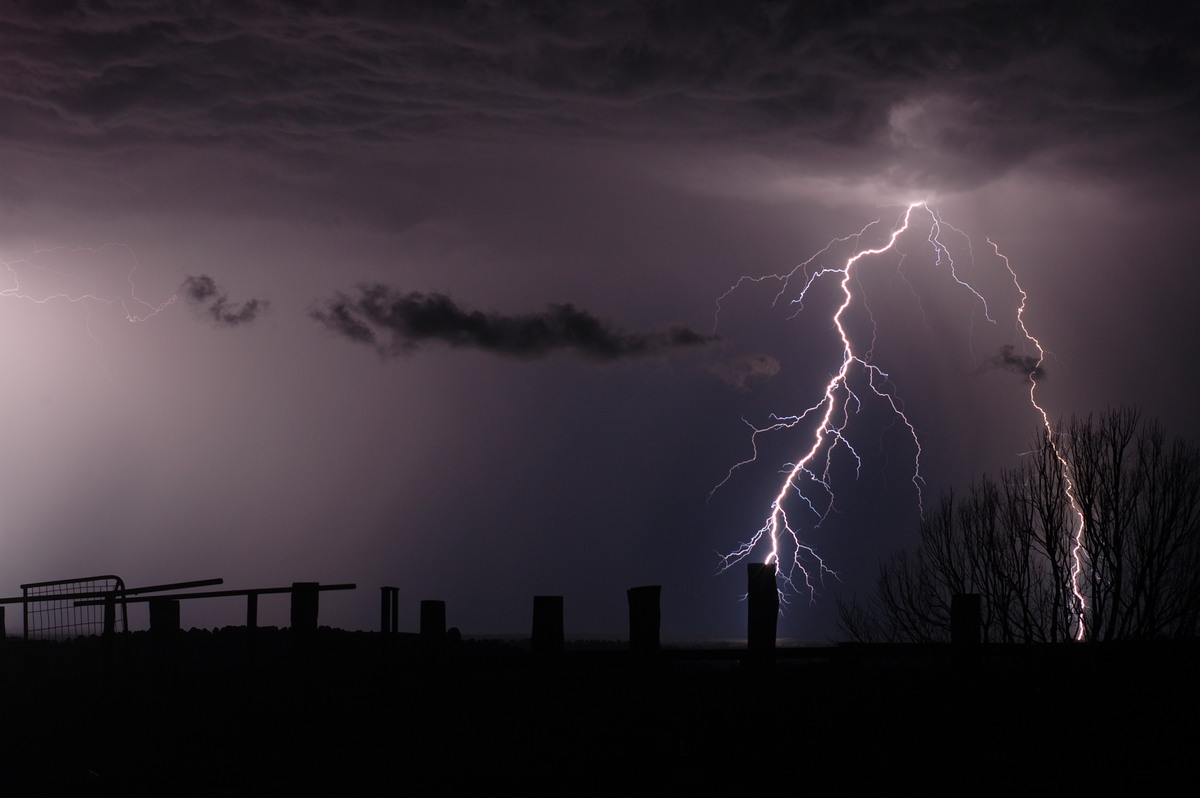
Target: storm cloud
394 323
909 96
209 302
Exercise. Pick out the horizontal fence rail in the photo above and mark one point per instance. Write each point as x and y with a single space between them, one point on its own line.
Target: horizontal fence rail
304 610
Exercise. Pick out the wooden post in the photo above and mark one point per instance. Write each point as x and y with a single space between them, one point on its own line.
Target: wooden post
251 628
763 610
433 626
305 597
164 617
966 619
110 616
164 632
389 606
547 625
644 618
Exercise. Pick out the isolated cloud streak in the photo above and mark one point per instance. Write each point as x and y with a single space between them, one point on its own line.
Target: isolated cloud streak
208 301
395 323
737 371
1025 365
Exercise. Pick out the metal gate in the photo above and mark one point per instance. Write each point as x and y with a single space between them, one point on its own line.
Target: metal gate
51 612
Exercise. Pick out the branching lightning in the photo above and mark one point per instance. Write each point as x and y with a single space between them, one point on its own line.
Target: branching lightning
808 480
32 280
134 307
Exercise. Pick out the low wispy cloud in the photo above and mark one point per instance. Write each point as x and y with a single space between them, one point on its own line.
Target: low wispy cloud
395 323
209 302
736 371
1025 365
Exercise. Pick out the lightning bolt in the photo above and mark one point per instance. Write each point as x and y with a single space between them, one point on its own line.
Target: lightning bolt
829 417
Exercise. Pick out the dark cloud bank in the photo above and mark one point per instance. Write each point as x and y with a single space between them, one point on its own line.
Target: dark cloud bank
394 322
208 301
946 95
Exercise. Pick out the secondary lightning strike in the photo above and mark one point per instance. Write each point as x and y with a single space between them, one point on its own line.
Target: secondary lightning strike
1068 482
831 414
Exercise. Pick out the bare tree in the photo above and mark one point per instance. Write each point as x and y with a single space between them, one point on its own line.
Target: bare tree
1134 518
1139 496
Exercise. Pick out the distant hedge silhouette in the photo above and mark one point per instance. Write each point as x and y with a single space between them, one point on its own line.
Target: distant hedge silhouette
1011 540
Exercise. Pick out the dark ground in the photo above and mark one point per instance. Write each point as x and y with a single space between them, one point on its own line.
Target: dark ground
344 716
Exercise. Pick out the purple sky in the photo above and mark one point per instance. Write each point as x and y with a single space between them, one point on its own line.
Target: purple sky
486 245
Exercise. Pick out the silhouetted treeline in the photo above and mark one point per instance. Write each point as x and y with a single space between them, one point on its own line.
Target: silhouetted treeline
1135 520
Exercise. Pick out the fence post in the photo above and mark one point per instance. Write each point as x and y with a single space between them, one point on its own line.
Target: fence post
433 626
389 604
644 618
305 597
547 625
164 632
164 616
110 616
966 619
763 610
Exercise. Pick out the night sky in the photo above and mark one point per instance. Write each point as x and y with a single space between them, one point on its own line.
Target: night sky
445 283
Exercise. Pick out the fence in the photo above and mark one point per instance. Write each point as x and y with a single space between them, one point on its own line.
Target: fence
81 607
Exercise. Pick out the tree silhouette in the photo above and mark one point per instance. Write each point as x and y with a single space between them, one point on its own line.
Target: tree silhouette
1011 541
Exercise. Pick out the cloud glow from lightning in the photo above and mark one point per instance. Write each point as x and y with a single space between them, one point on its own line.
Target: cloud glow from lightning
830 416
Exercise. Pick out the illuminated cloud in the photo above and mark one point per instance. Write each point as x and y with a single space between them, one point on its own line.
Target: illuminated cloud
209 302
948 97
394 323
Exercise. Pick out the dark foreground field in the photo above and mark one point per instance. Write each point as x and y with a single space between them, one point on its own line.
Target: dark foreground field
342 715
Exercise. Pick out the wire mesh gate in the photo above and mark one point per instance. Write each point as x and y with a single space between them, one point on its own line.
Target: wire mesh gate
51 611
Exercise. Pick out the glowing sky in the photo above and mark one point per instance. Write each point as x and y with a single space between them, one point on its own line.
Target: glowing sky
486 240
